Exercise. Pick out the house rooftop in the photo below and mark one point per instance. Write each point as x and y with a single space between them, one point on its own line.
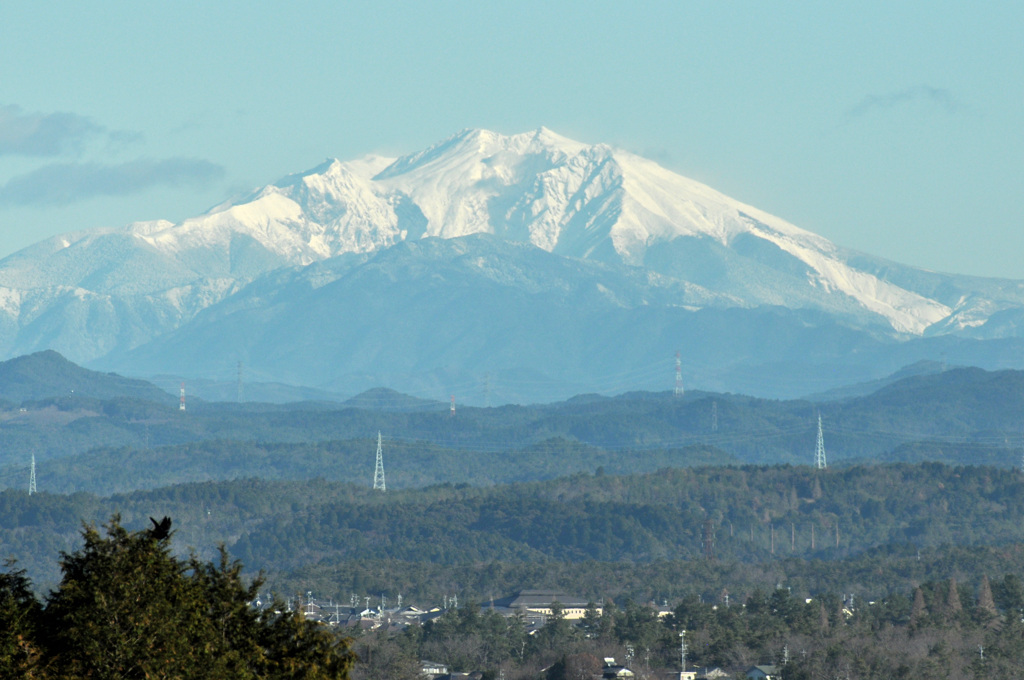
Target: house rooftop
540 598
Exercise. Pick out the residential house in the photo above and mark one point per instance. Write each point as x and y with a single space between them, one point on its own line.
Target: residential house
432 669
541 602
613 670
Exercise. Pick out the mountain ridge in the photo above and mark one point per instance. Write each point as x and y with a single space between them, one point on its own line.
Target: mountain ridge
110 296
47 374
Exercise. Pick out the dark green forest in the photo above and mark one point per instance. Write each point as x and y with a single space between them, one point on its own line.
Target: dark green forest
765 522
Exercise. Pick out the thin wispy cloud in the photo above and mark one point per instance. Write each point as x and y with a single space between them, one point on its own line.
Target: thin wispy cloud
938 97
62 184
118 140
24 133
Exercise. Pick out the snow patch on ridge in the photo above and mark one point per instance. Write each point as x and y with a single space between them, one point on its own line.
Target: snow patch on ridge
10 301
906 311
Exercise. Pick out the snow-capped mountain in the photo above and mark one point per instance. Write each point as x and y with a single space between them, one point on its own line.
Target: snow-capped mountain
652 238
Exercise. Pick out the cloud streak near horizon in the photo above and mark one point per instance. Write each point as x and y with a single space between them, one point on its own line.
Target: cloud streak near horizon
46 134
62 184
937 96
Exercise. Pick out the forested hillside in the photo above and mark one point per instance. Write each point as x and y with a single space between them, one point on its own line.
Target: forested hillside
408 464
784 518
102 434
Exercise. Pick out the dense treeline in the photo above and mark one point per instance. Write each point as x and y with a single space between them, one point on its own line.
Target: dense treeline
755 513
755 516
127 607
868 576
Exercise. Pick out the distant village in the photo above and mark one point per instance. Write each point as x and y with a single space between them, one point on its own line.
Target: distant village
533 607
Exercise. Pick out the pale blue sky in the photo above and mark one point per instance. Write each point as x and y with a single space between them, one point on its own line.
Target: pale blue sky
896 128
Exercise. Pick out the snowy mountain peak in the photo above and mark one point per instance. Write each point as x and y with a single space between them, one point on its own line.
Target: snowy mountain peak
531 255
591 202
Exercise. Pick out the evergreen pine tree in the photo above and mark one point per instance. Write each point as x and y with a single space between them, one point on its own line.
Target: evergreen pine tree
919 610
127 608
19 621
823 624
986 603
953 604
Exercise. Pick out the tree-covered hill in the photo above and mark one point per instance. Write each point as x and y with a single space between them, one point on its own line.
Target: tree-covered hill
48 374
968 403
408 464
755 513
109 436
755 516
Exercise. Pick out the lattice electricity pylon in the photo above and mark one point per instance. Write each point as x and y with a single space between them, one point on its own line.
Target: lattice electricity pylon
378 472
32 477
819 449
708 542
679 375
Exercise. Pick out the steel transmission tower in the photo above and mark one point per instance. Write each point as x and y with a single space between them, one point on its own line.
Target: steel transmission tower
181 402
32 477
378 472
682 650
679 376
819 449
